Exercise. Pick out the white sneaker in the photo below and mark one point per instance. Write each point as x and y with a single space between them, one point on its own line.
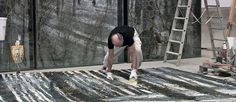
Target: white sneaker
133 74
109 76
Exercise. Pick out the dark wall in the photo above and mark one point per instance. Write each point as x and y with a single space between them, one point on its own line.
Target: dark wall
72 32
17 13
2 8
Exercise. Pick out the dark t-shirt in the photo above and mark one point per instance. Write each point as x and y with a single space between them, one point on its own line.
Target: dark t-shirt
127 33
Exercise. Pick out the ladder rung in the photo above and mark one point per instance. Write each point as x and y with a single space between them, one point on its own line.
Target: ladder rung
217 28
175 41
219 39
180 18
212 5
173 53
182 6
179 30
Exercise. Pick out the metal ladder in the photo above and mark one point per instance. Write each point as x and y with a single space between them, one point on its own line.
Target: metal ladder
183 19
229 27
212 19
230 19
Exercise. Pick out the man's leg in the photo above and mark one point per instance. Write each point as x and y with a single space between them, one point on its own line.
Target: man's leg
139 53
138 49
117 52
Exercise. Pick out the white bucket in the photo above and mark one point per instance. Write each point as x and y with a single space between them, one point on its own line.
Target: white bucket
3 22
232 42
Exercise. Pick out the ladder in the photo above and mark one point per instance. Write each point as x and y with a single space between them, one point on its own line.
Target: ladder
216 19
178 30
230 19
230 24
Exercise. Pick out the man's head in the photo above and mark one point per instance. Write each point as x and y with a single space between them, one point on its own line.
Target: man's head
117 40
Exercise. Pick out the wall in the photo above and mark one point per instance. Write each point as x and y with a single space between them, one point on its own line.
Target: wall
73 33
18 21
153 20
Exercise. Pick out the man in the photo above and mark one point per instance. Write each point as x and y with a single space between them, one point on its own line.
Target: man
120 38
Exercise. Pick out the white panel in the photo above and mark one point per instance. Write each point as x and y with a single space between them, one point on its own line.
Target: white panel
3 21
223 3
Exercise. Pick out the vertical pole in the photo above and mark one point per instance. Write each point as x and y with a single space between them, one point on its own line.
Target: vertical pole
120 9
126 56
34 65
123 20
2 58
122 12
231 18
125 12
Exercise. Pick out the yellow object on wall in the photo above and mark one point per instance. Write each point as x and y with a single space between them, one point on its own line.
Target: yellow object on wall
17 53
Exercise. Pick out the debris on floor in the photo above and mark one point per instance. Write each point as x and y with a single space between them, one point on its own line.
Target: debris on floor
224 65
222 70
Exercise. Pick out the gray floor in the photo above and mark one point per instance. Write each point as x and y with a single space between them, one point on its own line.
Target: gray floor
190 65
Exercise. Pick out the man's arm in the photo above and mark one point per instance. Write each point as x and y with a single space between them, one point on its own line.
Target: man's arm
110 59
133 55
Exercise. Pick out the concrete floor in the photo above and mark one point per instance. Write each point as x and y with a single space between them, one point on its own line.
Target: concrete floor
190 65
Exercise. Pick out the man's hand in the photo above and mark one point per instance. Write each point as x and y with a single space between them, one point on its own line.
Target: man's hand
109 76
133 74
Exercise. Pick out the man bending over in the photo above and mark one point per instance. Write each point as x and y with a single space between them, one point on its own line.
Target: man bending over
120 38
